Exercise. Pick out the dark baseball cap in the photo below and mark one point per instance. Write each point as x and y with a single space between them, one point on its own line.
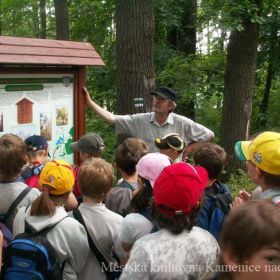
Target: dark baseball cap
36 143
167 93
88 143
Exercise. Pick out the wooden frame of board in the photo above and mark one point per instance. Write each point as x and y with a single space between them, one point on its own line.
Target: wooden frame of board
25 56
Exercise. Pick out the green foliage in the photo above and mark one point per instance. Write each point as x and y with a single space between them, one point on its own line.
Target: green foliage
106 131
106 98
198 79
168 14
272 117
93 21
21 18
240 181
181 73
229 14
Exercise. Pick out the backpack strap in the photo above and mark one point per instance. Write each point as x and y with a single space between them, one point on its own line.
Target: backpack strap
126 185
43 232
26 173
101 259
29 171
15 203
36 169
221 196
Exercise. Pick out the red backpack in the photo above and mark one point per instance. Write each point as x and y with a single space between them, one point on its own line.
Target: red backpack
31 175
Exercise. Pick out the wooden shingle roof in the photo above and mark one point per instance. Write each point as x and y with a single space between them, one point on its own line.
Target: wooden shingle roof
16 50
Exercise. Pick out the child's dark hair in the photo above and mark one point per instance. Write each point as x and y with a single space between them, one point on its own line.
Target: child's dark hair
176 224
128 154
13 156
212 157
142 199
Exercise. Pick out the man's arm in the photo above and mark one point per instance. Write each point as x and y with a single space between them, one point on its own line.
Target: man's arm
103 113
195 134
190 148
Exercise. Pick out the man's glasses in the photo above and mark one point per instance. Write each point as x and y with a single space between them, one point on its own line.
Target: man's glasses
158 98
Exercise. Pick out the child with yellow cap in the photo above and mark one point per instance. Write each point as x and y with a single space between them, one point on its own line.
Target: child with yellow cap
262 156
68 236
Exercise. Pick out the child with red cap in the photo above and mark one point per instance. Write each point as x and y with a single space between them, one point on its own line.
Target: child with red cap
179 250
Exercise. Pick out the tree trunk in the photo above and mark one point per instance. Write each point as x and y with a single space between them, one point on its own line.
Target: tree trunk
239 86
43 19
61 18
187 32
272 59
172 37
0 17
135 58
183 38
262 118
35 21
187 44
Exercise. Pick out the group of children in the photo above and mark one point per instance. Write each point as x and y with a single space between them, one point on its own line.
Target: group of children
159 221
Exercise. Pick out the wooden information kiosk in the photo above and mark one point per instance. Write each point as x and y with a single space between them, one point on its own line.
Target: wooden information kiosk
41 85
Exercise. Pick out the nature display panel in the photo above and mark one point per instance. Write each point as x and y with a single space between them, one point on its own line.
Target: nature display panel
40 104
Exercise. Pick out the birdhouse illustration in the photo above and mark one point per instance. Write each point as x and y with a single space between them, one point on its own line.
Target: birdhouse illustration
24 111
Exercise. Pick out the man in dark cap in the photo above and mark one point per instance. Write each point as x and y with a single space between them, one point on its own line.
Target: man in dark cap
160 122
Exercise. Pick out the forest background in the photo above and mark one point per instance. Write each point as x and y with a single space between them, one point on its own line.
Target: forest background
221 56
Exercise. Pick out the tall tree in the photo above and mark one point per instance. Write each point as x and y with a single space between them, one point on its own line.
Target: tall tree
135 77
182 37
34 5
188 31
239 84
43 19
270 49
0 17
61 18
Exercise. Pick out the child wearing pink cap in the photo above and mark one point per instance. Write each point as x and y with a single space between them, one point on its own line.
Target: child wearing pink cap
179 250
